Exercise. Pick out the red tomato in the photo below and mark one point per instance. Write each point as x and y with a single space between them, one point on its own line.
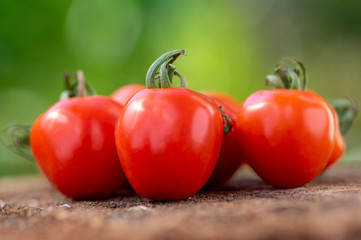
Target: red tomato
339 145
123 94
73 143
168 141
286 136
230 157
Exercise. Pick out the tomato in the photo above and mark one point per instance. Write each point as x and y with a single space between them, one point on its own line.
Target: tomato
168 139
73 143
286 136
123 94
230 157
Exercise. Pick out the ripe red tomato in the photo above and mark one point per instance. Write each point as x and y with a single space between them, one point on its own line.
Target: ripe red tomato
73 143
123 94
168 142
339 143
230 157
286 135
168 139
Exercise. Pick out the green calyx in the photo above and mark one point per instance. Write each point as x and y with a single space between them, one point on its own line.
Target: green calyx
227 123
76 86
16 137
346 110
289 73
164 78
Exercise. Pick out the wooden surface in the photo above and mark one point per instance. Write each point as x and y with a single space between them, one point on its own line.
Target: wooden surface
327 208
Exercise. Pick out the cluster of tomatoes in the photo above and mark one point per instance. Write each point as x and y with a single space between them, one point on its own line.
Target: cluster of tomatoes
168 142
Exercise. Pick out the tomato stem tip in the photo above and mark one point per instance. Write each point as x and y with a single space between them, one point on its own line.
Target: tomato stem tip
164 77
289 73
73 88
81 83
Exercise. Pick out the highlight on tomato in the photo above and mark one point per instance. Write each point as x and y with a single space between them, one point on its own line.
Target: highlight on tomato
168 138
286 134
123 94
230 158
73 144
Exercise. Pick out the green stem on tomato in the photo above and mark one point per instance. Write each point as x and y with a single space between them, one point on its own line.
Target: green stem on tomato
164 75
274 81
346 110
289 73
183 81
81 83
171 69
76 88
16 136
227 123
69 88
166 70
301 71
90 89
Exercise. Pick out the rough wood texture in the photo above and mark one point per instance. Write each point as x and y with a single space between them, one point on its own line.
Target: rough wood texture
327 208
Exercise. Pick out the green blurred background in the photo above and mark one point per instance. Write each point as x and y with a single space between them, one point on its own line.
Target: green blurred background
231 46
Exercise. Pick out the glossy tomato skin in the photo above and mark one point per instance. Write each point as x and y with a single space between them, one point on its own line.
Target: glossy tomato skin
73 144
286 136
230 158
123 94
339 143
168 141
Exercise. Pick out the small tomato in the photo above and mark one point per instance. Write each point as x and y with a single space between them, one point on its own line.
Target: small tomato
168 139
73 144
286 135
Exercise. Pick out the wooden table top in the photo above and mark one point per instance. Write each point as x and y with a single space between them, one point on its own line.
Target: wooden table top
327 208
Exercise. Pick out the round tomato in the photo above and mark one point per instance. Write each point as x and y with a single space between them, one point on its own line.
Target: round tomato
286 136
230 157
168 139
123 94
73 143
